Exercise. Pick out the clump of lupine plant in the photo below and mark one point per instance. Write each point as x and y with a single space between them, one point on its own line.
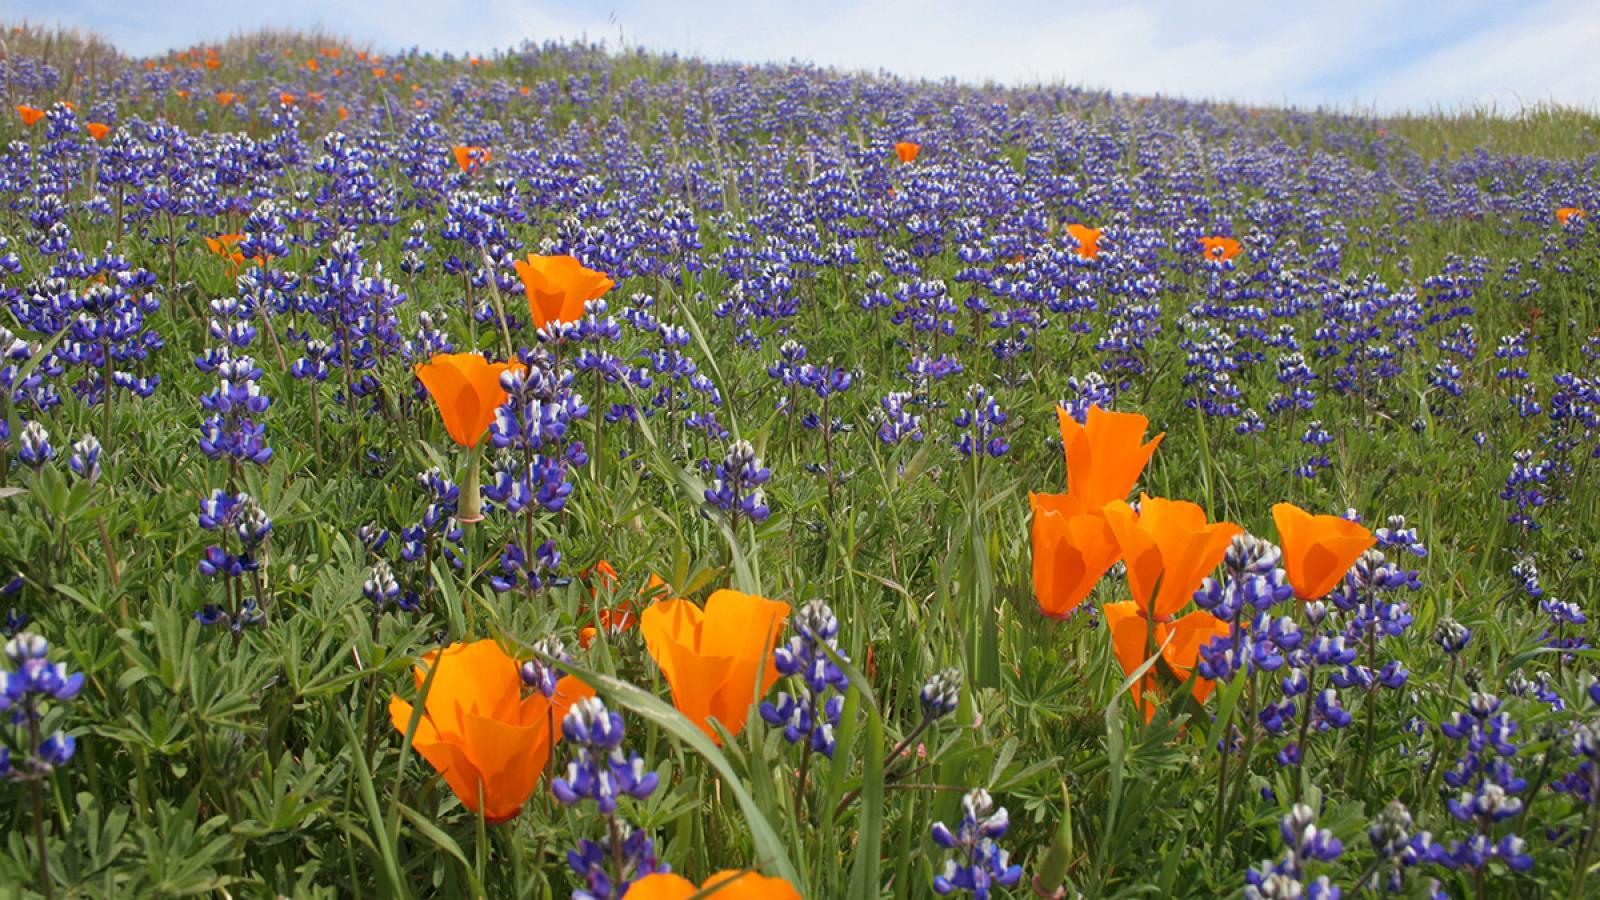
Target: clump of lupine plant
601 774
31 691
976 863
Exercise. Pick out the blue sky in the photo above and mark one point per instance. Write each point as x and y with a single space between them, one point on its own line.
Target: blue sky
1387 55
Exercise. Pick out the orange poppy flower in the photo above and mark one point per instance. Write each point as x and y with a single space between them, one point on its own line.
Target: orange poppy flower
1318 550
330 52
477 729
466 388
1567 213
621 617
343 113
1070 554
30 115
1220 249
1169 549
907 151
213 63
1088 240
1131 639
729 884
287 99
469 158
1105 456
226 97
314 96
378 73
711 658
558 287
223 244
182 95
311 64
98 130
524 90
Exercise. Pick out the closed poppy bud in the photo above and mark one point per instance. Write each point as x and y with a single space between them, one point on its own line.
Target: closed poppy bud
907 151
1318 550
558 287
1088 240
1070 554
729 884
98 130
488 741
712 658
1105 455
466 388
30 115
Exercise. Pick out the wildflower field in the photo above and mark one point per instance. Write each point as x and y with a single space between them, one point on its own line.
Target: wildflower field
581 473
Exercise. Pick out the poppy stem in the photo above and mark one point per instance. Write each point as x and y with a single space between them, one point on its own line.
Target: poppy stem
471 505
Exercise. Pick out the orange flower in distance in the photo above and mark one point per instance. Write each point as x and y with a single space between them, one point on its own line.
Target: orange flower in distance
1169 549
466 388
729 884
711 658
213 63
1070 554
182 95
223 244
1105 456
1567 213
469 158
907 151
1220 249
378 73
30 114
343 113
226 97
311 64
1131 639
287 99
1088 240
621 617
477 729
1318 550
558 287
97 130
